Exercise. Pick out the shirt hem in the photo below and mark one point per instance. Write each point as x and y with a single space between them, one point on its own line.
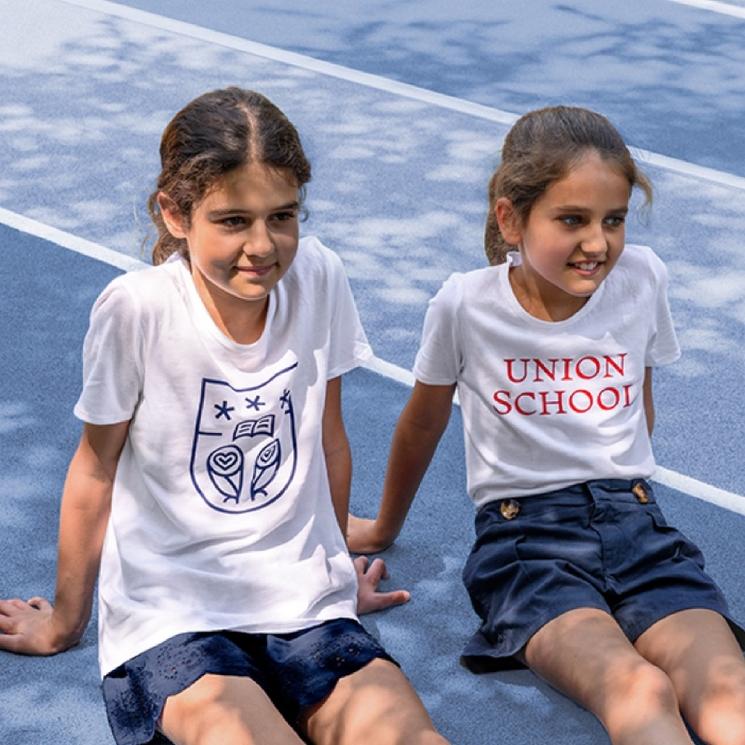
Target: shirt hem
357 361
84 416
153 640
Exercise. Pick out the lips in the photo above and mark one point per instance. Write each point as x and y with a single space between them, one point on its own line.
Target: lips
586 267
256 271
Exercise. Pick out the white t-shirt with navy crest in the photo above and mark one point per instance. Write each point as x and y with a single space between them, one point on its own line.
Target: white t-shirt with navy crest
549 404
221 513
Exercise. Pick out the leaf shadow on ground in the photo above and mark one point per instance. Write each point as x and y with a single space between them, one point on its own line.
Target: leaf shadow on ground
671 77
399 191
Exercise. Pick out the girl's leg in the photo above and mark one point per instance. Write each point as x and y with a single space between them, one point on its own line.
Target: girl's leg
586 655
220 709
697 649
375 705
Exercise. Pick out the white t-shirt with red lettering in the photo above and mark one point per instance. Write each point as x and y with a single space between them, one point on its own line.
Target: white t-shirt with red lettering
221 514
549 404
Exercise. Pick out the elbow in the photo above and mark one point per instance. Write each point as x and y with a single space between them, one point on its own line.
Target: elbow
429 427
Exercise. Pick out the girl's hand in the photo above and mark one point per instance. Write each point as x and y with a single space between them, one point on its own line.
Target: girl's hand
31 628
363 536
369 599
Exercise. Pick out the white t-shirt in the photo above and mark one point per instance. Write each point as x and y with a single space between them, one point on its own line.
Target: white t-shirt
221 513
549 404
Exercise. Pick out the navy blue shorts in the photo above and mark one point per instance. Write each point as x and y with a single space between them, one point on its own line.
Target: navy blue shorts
296 670
602 544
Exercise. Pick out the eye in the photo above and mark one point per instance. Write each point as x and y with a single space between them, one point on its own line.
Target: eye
284 216
571 221
615 221
233 222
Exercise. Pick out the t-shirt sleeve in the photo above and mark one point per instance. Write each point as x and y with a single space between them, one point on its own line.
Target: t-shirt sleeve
439 359
348 344
112 359
662 347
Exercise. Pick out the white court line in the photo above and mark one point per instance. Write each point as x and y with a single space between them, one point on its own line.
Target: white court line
693 487
700 489
391 371
717 7
376 81
67 240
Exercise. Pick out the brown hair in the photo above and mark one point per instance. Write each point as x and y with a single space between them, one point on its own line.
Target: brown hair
215 133
540 149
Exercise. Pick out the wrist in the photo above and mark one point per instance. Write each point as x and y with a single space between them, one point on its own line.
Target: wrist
383 535
66 631
63 638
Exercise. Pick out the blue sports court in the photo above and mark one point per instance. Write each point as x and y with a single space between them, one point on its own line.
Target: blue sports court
402 107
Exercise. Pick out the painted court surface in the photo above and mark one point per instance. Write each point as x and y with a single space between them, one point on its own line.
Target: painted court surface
402 107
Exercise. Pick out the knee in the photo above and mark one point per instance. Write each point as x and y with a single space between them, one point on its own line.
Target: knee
721 716
643 690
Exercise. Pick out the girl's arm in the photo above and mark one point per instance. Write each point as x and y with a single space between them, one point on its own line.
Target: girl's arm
648 400
337 452
35 627
339 466
415 439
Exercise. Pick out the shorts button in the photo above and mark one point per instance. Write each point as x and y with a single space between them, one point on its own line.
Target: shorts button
509 509
640 492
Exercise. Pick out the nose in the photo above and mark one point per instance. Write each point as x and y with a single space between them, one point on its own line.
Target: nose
594 241
258 241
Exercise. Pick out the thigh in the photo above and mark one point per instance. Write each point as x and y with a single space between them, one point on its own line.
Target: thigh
304 667
135 693
699 652
375 705
219 709
585 654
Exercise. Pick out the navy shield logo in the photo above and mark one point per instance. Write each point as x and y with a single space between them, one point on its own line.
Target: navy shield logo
244 453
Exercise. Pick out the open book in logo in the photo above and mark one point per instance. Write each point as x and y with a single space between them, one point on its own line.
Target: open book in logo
243 463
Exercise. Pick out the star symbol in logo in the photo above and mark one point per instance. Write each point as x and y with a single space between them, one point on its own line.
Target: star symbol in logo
224 410
255 403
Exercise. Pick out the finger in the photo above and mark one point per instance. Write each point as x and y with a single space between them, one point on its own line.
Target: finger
383 600
8 607
9 642
40 603
361 563
7 625
377 571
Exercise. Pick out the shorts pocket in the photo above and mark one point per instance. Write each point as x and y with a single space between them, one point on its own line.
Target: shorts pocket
491 564
675 543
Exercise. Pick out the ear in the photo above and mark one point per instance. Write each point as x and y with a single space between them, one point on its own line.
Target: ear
509 221
172 217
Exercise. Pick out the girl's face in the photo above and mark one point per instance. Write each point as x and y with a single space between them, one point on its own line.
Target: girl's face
243 235
574 234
